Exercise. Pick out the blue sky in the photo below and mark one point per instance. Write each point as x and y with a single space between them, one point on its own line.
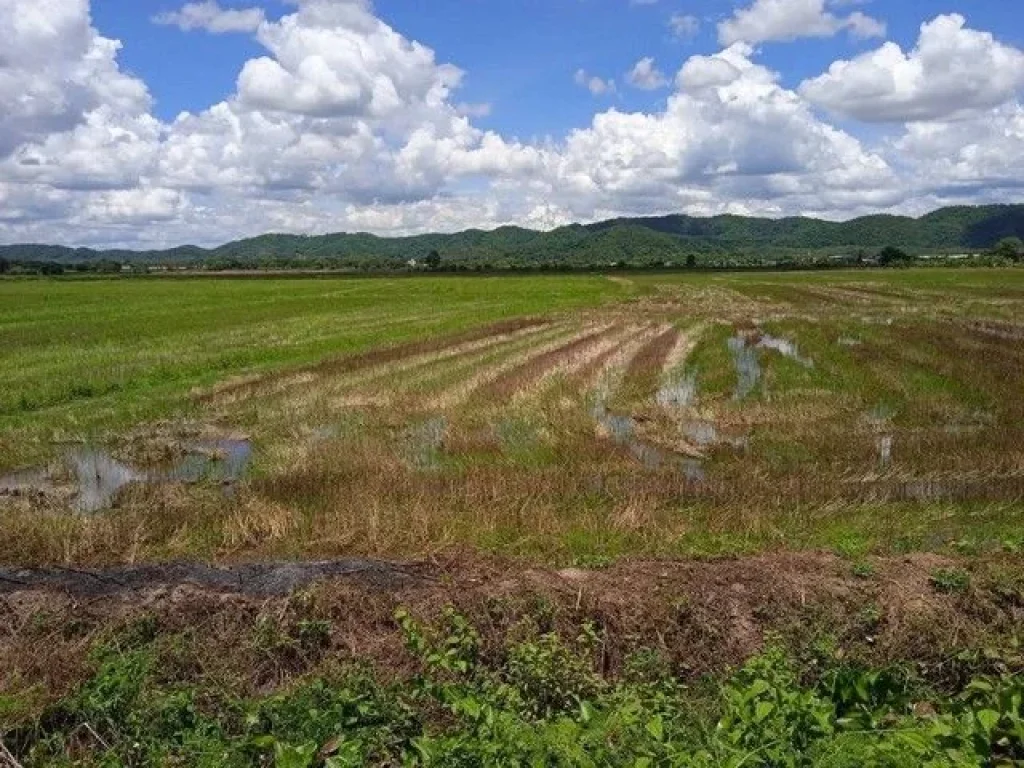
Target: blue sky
314 115
519 55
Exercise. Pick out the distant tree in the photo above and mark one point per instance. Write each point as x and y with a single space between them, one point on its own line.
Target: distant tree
890 256
5 266
107 266
433 260
691 260
1009 248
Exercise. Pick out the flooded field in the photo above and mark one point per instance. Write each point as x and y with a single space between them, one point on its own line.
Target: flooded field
670 415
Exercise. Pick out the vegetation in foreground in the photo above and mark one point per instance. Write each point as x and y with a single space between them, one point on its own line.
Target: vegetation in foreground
539 699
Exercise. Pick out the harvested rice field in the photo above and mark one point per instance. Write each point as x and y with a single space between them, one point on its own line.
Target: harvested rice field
557 420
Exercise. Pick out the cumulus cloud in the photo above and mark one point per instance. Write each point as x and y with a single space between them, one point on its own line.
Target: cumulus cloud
985 151
731 138
779 20
597 86
345 123
646 75
478 109
953 70
57 71
209 16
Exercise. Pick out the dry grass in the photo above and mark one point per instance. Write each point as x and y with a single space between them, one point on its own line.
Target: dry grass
490 439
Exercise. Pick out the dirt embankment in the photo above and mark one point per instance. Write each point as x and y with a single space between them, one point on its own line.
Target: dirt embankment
701 616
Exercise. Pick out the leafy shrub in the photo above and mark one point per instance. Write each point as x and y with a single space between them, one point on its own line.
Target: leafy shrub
538 703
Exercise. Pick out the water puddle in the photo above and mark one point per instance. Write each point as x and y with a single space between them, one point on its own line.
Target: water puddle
885 443
678 391
622 430
99 477
22 482
679 394
747 365
744 348
693 469
424 442
701 433
93 478
222 461
879 418
786 348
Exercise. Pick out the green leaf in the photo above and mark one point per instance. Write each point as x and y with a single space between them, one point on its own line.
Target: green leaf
656 727
300 756
989 719
758 687
586 712
762 710
471 707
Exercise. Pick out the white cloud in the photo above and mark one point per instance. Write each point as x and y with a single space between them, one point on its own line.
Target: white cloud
984 152
209 16
768 20
134 205
344 123
684 26
646 75
731 139
56 71
596 85
953 70
335 59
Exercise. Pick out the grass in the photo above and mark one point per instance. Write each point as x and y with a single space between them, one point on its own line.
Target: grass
79 356
414 416
827 571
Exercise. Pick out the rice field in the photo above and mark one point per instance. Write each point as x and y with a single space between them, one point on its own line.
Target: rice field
565 420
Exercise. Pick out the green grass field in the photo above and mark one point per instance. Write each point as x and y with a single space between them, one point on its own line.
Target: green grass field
77 356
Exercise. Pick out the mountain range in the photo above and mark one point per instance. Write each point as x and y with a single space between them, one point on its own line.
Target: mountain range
645 240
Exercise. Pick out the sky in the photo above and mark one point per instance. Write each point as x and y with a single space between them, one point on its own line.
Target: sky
152 123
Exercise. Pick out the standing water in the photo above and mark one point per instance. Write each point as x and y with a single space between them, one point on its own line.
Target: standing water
97 477
748 367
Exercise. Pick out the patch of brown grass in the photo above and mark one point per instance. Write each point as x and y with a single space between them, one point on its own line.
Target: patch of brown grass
521 376
643 374
373 357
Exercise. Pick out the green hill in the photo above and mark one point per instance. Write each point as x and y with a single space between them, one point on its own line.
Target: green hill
637 241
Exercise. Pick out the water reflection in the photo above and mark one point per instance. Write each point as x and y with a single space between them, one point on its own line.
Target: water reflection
96 477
